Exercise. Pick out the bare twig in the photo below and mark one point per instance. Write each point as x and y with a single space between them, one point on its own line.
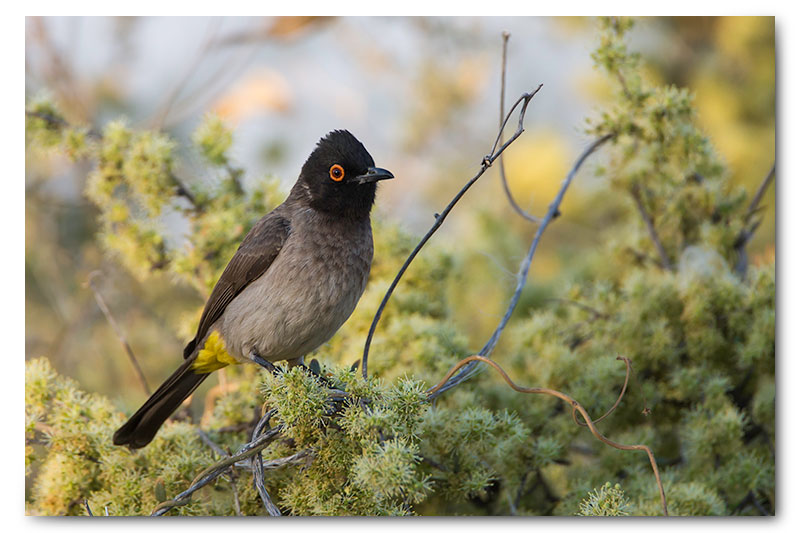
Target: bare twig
619 398
750 499
485 164
59 123
212 472
161 115
749 230
257 465
595 312
522 275
760 193
258 479
651 229
237 506
117 330
258 475
524 214
210 443
566 398
218 81
231 471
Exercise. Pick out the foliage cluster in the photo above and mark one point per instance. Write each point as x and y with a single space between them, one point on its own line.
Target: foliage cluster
666 290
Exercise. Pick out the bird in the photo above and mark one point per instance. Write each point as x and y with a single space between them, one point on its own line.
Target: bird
294 280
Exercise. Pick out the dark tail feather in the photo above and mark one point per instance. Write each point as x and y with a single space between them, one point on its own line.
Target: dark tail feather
143 425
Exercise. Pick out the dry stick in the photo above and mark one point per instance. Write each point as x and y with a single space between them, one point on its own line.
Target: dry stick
522 275
212 472
595 312
568 399
524 214
157 121
651 229
485 164
760 193
120 335
222 453
747 233
257 464
619 398
258 478
258 473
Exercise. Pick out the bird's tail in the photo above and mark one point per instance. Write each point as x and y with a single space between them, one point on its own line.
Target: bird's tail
140 429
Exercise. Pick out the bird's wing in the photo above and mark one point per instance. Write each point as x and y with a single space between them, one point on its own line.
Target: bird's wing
254 256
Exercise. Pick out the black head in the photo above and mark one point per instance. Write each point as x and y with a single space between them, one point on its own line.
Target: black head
340 176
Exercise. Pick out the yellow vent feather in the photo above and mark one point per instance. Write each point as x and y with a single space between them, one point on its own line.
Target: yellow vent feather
213 355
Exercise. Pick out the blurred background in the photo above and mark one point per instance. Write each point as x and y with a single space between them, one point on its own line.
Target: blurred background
422 94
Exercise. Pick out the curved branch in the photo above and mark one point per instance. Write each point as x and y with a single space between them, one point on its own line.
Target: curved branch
212 472
485 164
619 399
522 275
566 398
521 212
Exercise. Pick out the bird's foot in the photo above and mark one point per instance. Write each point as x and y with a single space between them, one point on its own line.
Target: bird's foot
313 367
263 363
315 370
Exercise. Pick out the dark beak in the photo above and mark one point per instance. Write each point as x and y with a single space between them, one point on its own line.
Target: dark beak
372 175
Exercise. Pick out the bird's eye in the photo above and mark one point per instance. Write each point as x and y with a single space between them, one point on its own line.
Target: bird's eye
337 173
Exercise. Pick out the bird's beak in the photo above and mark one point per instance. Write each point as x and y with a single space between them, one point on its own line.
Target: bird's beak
372 175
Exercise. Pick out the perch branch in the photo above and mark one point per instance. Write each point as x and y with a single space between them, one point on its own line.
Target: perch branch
522 275
566 398
212 472
485 164
258 475
120 335
257 465
521 212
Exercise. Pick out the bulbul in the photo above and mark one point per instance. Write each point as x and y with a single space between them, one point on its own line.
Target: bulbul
292 283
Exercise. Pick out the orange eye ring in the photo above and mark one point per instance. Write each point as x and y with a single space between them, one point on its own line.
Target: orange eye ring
337 173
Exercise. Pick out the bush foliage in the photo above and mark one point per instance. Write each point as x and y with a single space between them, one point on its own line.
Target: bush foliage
666 289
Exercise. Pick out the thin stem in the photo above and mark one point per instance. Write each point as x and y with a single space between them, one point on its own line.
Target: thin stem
120 335
257 464
521 212
749 230
522 275
619 398
485 164
760 193
651 229
212 472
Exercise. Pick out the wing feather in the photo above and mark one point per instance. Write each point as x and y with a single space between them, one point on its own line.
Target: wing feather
258 250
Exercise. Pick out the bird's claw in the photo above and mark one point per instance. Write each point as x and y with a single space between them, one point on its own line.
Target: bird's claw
263 363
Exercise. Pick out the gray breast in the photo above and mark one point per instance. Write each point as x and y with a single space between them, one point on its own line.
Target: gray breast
307 293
